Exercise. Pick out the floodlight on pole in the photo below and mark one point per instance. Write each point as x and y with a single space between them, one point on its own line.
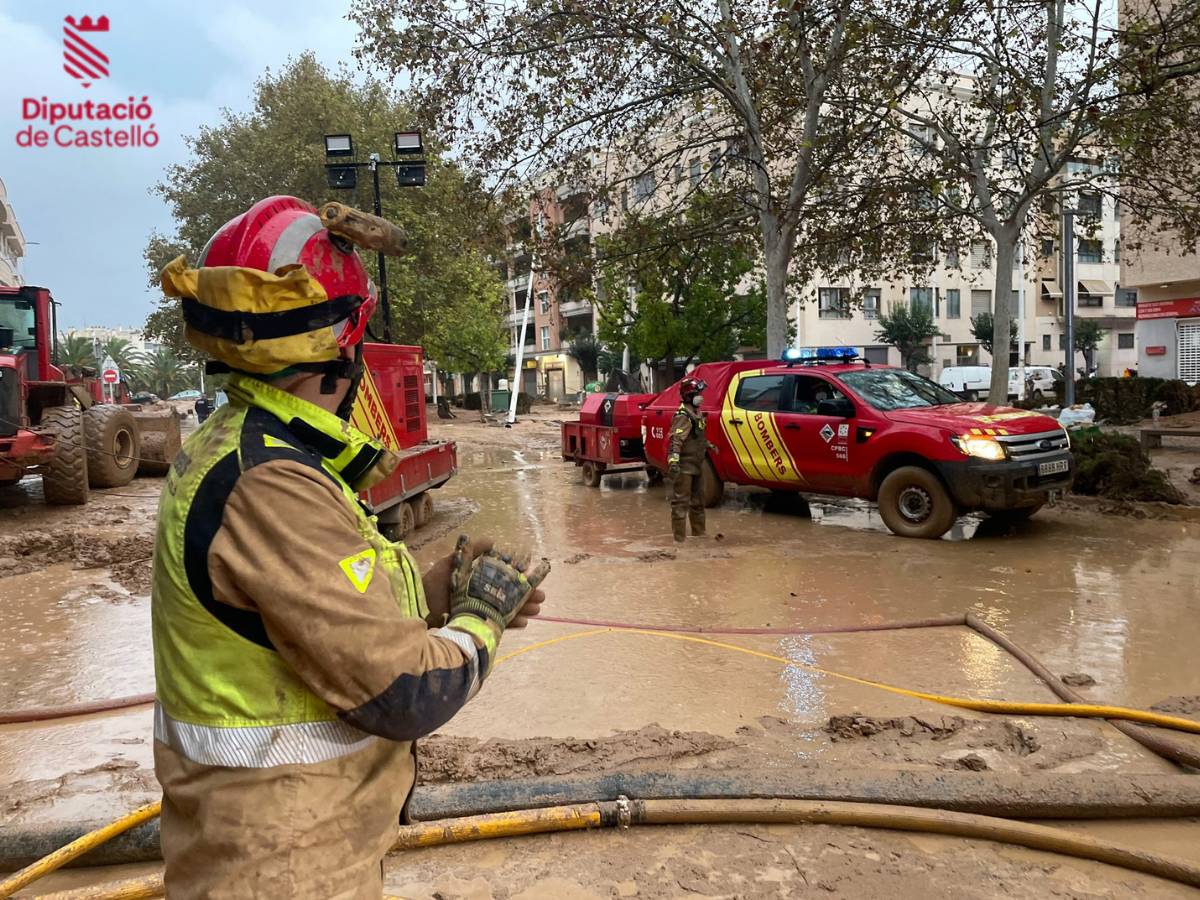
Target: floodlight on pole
408 143
339 145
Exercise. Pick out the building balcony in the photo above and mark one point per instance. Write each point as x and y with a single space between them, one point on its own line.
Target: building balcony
575 308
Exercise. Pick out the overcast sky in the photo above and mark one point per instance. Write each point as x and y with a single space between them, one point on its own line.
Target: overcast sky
90 210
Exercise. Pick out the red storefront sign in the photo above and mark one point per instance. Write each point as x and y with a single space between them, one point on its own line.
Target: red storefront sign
1158 350
1169 309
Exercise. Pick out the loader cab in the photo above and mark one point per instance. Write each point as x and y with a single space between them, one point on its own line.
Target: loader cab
26 330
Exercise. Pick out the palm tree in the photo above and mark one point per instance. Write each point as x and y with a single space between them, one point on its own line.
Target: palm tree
121 352
76 350
162 372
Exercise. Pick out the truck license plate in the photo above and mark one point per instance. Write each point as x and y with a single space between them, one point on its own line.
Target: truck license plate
1054 468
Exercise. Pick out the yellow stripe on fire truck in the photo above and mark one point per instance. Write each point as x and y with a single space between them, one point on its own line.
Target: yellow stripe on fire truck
370 416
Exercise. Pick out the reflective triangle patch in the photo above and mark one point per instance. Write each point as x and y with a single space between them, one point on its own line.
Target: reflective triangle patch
359 568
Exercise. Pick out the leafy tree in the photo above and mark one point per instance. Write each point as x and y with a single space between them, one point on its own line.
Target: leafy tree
674 295
1088 335
983 330
773 101
1030 104
907 328
120 351
76 350
586 349
278 148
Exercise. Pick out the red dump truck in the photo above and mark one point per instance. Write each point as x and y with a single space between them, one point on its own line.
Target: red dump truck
822 422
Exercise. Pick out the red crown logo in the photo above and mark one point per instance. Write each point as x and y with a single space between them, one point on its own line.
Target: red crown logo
82 59
86 24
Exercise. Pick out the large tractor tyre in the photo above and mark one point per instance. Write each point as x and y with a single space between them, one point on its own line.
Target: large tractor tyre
914 503
113 445
422 510
712 488
1017 515
65 480
592 473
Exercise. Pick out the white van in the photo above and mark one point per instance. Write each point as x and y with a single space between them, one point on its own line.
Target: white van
969 382
974 382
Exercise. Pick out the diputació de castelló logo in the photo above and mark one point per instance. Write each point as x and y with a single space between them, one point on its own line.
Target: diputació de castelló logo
82 124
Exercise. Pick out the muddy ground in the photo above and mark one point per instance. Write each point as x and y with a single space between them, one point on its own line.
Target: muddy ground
1110 598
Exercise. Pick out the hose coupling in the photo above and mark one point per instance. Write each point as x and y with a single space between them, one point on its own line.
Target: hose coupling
624 812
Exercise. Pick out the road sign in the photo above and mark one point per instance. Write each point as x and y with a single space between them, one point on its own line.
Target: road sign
110 376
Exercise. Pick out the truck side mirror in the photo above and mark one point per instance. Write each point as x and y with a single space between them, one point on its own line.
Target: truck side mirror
838 407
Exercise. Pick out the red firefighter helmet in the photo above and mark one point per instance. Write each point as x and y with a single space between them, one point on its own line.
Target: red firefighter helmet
285 231
690 387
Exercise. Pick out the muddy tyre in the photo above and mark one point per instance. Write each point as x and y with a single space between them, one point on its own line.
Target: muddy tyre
113 445
914 503
408 521
654 476
422 510
592 473
712 488
65 481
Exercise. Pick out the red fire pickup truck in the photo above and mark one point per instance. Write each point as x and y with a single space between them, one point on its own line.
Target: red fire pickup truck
820 422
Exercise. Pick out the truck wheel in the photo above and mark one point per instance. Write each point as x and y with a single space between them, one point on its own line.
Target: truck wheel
65 480
1018 514
711 487
592 472
407 521
113 446
422 510
972 396
914 503
653 475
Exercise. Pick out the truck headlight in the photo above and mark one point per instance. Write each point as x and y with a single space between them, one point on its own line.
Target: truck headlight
981 447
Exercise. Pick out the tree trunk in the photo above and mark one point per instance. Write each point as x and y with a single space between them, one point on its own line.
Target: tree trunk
776 258
1002 314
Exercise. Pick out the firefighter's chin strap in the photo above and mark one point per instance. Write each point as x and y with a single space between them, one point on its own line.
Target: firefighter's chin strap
332 372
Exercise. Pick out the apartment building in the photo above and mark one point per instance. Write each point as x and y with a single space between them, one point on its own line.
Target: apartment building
1166 281
12 243
557 309
102 334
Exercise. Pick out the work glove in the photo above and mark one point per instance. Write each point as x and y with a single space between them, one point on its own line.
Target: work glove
437 579
672 465
495 587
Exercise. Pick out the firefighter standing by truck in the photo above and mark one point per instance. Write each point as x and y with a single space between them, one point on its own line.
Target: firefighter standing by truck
298 652
685 461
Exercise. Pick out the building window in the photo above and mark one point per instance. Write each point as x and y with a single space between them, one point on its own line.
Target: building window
967 354
545 337
1117 250
871 307
981 255
1062 342
1125 340
544 301
953 304
1089 206
520 297
1091 251
876 356
921 298
981 302
833 303
678 173
643 186
1048 247
714 163
1126 296
1091 300
1045 342
694 172
952 256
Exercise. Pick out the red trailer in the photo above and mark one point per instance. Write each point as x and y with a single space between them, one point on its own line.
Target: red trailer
391 406
608 436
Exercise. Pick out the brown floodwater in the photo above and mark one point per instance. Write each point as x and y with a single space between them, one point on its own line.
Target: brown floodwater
1111 597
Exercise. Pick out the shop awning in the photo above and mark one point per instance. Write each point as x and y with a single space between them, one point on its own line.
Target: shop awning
1051 289
1095 287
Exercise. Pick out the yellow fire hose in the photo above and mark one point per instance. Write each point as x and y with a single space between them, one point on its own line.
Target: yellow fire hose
727 812
80 846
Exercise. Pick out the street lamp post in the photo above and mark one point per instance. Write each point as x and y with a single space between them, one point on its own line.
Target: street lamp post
1067 252
342 174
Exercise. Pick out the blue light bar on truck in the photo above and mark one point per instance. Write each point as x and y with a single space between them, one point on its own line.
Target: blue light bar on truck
800 354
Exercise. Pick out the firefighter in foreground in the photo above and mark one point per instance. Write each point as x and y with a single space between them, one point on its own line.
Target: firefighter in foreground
298 652
685 460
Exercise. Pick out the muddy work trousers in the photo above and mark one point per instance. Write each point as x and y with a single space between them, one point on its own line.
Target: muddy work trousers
687 502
